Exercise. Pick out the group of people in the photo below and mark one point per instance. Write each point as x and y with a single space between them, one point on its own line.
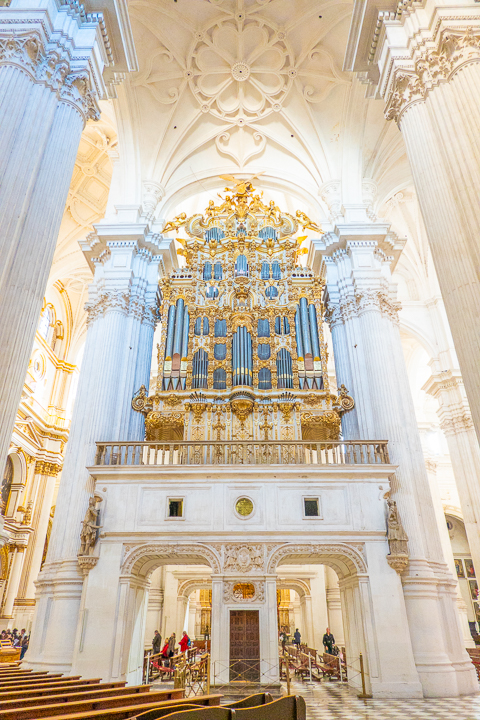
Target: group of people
168 650
328 640
16 639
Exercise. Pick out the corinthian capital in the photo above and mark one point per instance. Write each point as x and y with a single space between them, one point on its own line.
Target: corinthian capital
25 50
116 301
454 49
77 91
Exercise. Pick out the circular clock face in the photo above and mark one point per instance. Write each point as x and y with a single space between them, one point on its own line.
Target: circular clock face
244 506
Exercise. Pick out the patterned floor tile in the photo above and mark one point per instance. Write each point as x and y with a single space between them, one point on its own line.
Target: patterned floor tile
329 701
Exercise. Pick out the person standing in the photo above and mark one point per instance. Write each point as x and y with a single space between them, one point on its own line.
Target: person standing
328 641
297 638
171 647
25 640
184 642
283 640
156 643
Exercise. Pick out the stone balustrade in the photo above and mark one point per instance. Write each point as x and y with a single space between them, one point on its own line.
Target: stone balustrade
243 452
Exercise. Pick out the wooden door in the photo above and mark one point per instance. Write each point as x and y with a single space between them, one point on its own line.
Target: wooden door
244 645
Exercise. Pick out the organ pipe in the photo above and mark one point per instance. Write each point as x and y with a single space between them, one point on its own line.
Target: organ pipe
170 331
314 331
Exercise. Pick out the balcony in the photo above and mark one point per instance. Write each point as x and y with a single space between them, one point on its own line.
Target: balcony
242 452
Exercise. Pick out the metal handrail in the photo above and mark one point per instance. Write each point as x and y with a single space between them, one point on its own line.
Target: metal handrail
243 452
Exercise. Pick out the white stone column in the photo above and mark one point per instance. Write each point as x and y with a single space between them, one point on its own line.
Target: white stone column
334 607
447 551
429 74
122 299
14 579
359 280
456 422
48 476
51 67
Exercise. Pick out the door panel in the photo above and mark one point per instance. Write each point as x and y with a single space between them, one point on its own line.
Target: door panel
244 645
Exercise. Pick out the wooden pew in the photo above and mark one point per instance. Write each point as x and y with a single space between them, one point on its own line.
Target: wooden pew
52 708
330 666
251 701
55 677
51 682
132 711
54 690
21 701
290 707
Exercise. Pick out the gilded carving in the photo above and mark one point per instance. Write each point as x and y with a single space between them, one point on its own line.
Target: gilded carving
241 592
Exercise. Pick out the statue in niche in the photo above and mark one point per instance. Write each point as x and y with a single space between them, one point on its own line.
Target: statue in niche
88 533
396 535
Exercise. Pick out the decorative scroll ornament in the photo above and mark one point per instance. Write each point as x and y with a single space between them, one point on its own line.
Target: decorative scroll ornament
455 49
397 539
139 400
345 400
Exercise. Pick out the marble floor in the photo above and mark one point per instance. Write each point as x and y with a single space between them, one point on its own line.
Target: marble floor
332 701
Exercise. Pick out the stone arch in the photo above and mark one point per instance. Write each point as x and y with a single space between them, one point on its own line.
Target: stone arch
347 560
141 560
300 586
186 588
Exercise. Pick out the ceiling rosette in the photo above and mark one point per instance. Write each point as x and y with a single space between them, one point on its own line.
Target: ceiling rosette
241 70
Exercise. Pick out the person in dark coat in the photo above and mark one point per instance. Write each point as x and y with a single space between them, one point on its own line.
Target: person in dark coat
156 643
297 638
328 641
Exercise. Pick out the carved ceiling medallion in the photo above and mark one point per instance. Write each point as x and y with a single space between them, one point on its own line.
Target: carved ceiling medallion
240 69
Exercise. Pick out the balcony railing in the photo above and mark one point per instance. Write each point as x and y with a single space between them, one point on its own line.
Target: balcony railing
243 452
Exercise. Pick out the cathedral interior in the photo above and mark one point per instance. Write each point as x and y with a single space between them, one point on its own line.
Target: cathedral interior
240 331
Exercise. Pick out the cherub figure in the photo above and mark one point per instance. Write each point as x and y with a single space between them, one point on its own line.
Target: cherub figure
175 223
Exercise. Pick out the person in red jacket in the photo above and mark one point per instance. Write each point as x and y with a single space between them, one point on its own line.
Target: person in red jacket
184 642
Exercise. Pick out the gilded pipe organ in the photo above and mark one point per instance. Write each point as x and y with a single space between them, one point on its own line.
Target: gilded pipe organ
243 354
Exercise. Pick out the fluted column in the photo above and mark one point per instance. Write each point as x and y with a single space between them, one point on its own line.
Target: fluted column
334 606
456 422
429 65
122 299
359 281
50 76
48 476
14 579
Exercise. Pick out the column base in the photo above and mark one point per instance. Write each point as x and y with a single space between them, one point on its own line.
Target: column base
59 590
397 691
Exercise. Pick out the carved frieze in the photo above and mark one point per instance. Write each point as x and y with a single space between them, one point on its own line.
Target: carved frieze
243 558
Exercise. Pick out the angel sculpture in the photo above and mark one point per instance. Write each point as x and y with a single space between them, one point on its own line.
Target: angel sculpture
175 223
307 224
240 187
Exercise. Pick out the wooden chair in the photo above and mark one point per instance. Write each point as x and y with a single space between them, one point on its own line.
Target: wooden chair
330 666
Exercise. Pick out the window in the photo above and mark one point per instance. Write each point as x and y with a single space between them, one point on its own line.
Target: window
175 508
45 322
311 508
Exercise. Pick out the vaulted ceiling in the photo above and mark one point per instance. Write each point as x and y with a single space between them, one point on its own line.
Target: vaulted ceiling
248 85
